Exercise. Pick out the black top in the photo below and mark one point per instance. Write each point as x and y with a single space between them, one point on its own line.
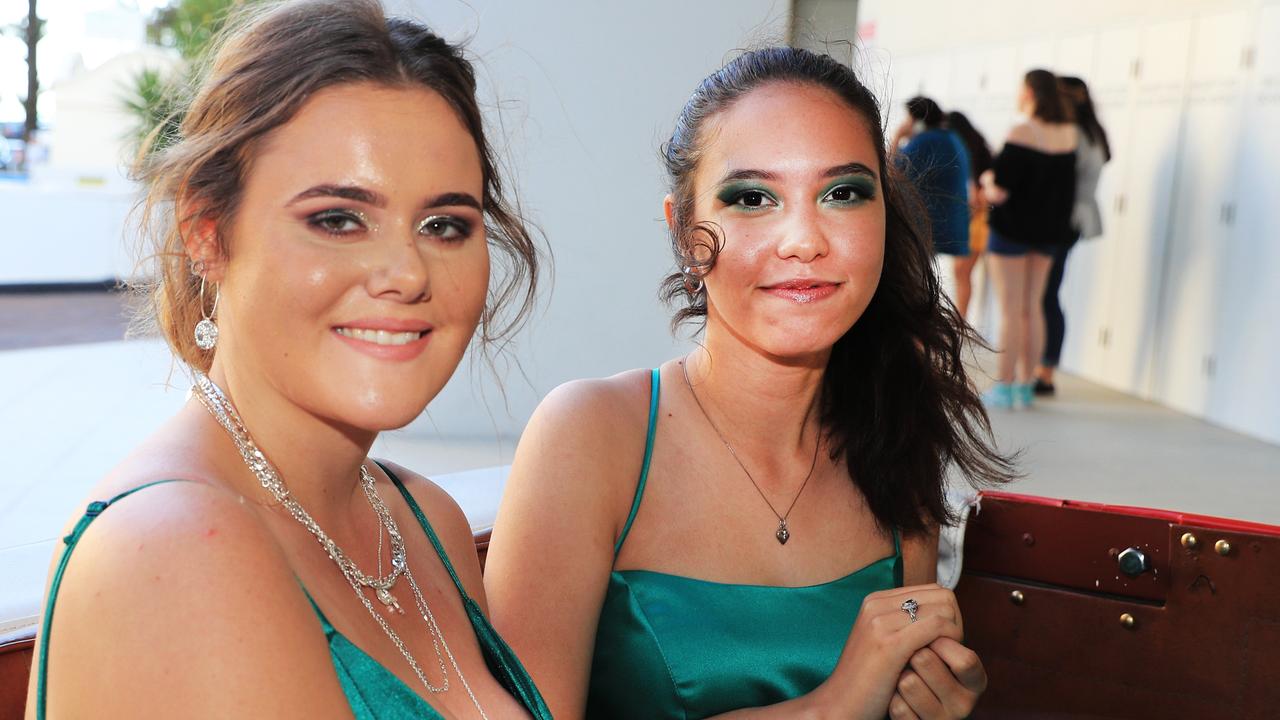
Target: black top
1042 189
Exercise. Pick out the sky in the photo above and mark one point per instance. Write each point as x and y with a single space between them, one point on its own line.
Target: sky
77 31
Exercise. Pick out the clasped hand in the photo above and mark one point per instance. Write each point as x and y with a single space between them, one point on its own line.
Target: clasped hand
908 669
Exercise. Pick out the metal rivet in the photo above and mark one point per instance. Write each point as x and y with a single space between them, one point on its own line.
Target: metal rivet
1028 539
1189 541
1223 547
1017 597
1128 621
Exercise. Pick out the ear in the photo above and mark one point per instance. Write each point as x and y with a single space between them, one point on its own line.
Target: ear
669 211
200 240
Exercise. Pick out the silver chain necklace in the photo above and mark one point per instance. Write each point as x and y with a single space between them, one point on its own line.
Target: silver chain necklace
218 405
783 533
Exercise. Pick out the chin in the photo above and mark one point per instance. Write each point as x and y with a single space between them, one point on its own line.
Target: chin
377 407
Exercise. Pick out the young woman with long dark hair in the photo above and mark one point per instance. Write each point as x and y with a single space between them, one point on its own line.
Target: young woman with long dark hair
750 530
1092 153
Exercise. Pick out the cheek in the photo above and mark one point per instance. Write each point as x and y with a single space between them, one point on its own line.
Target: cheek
460 281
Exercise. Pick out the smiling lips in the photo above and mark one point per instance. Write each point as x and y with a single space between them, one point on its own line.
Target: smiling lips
803 291
386 339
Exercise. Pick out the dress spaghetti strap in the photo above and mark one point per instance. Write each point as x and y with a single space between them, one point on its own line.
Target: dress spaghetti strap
42 657
655 386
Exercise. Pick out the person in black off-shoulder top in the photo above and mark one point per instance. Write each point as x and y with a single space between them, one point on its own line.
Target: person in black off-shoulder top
1032 190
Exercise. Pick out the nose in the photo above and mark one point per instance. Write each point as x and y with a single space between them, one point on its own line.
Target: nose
804 238
401 270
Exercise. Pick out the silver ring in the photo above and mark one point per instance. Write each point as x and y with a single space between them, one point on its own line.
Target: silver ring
910 607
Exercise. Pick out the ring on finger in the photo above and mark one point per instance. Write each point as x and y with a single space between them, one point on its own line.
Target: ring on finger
910 607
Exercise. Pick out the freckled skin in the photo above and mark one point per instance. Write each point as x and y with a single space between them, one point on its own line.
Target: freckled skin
288 284
795 131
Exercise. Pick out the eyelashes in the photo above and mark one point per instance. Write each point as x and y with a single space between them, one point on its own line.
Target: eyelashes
849 192
342 222
445 227
846 192
746 197
339 222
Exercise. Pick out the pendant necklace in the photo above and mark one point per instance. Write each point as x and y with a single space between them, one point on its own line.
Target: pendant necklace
218 405
783 532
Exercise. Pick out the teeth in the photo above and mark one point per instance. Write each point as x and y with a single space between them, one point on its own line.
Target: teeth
379 337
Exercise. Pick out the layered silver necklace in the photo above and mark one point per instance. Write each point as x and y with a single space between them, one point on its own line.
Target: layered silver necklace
218 405
783 533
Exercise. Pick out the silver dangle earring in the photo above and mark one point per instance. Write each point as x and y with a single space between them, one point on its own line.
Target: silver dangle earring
692 282
206 330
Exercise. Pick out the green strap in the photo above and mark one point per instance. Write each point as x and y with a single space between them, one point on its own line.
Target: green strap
94 510
426 527
509 672
655 385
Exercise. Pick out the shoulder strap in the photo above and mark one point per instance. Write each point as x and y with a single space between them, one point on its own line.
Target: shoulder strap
42 659
426 527
655 386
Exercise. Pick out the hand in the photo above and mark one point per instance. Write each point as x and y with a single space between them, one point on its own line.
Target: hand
943 682
882 643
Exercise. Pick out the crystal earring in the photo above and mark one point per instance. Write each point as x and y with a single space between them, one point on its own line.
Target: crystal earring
206 330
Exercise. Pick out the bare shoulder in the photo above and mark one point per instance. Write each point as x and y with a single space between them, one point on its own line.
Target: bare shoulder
1023 133
450 525
592 428
185 581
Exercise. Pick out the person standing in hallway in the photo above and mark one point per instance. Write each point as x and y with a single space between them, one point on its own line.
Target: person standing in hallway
1092 153
1032 188
935 161
979 162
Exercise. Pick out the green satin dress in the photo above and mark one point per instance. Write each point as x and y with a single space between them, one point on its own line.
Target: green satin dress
373 691
676 647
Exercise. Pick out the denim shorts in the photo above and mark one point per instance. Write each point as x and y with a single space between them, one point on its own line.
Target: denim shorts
998 244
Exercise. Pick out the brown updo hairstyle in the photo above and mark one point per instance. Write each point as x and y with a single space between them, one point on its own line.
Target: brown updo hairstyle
896 400
1047 101
268 62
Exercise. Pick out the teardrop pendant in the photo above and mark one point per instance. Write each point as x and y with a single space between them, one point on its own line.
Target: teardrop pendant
783 534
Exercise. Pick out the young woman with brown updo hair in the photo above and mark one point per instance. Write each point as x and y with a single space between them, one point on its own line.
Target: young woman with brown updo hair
322 229
749 531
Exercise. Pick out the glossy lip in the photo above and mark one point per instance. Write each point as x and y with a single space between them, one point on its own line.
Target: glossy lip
395 353
803 290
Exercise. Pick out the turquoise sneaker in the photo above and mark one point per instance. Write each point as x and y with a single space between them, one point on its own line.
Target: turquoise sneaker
998 396
1023 394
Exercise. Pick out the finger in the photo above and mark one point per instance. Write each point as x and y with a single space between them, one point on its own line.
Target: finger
924 703
963 662
956 699
915 635
899 709
924 595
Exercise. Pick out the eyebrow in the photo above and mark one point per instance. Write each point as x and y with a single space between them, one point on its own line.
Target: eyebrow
369 197
853 168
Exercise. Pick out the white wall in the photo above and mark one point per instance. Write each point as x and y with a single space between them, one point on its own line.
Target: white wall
587 91
1176 302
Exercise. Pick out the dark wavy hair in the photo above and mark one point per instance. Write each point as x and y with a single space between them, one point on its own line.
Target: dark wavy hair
980 158
270 59
926 110
1049 105
1076 94
896 400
